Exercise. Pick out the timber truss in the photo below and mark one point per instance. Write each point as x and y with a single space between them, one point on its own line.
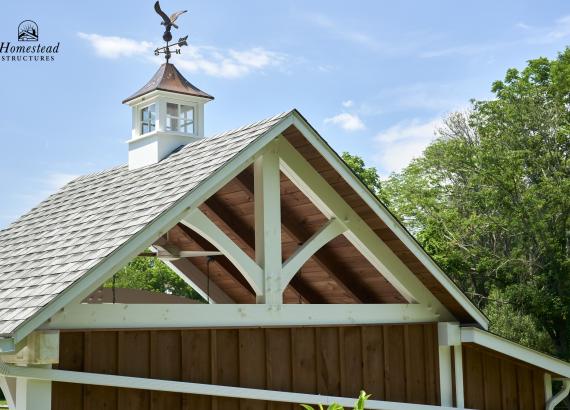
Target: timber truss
253 251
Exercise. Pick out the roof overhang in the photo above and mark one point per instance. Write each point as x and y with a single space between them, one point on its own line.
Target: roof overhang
390 220
514 350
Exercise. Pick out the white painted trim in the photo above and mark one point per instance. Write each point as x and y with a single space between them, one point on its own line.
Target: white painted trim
199 222
8 386
330 230
459 383
32 393
27 373
144 238
126 316
267 205
547 387
445 379
561 395
514 350
371 200
316 188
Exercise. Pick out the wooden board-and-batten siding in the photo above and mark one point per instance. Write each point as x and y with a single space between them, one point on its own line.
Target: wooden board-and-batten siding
497 382
392 362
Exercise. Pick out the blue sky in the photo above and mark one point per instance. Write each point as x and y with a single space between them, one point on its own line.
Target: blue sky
373 77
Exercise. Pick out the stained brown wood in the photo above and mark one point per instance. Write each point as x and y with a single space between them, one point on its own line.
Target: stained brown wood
328 360
496 381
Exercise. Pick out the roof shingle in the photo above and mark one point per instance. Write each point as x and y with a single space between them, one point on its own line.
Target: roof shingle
57 242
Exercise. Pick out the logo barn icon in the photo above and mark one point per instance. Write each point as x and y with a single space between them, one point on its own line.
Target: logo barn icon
28 31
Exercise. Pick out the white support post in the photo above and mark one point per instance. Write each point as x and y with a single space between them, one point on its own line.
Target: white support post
267 193
459 391
445 379
450 371
8 386
328 232
197 221
32 394
547 387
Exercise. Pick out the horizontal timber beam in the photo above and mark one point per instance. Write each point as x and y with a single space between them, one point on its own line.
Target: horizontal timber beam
127 316
67 376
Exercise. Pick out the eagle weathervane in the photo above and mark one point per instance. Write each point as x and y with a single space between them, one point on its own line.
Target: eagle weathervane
168 23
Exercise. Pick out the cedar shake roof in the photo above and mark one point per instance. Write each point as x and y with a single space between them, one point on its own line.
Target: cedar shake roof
168 78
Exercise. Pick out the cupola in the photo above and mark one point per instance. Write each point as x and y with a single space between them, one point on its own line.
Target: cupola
168 111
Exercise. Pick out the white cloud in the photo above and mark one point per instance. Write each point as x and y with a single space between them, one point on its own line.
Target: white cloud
400 143
115 47
348 103
558 31
348 122
211 61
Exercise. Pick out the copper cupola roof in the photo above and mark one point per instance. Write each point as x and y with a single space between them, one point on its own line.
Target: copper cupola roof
168 78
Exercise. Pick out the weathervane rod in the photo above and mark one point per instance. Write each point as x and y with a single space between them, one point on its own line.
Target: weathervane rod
168 22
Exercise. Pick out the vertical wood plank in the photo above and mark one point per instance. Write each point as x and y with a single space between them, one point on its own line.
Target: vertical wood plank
538 389
432 364
252 365
524 386
303 359
133 360
328 365
69 396
415 364
196 367
100 357
227 352
165 364
394 359
492 381
373 361
509 396
474 391
352 361
279 362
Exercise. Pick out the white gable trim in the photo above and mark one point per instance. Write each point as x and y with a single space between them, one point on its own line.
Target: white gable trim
514 350
146 236
336 162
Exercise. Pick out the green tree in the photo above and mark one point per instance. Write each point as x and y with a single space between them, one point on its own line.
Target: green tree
368 175
489 199
149 273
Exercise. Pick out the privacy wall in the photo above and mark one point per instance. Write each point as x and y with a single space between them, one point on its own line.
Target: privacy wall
392 362
495 381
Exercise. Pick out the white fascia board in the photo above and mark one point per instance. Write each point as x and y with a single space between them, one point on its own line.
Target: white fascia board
146 236
154 95
155 316
67 376
338 164
514 350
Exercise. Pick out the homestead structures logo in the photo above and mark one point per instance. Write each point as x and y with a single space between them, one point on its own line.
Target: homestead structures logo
28 48
28 31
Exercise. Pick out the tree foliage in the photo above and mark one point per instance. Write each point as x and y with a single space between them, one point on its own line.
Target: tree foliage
489 199
148 273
